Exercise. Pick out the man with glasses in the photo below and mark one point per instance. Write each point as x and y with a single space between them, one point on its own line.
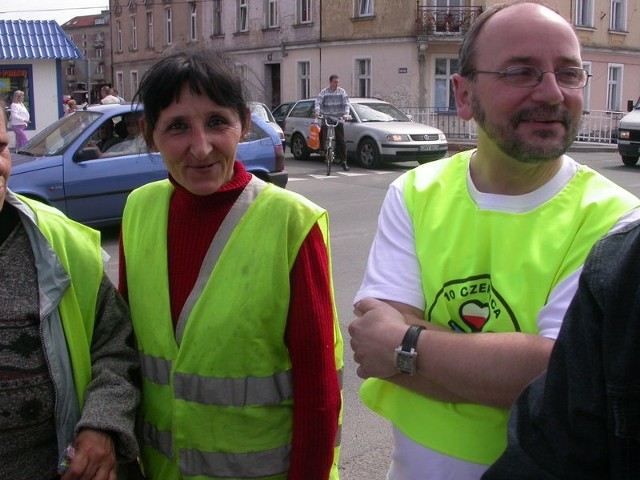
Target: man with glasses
477 256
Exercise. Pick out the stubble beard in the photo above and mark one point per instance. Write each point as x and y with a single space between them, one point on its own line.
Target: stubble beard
523 149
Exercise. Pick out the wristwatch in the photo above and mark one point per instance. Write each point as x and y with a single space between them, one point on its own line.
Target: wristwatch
406 354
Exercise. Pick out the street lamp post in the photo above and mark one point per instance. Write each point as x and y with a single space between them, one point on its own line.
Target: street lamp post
89 89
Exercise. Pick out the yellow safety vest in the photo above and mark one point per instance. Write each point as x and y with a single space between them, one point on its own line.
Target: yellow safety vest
217 395
488 271
78 249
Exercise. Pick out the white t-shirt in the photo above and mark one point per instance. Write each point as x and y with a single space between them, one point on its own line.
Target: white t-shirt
109 99
19 114
130 146
393 273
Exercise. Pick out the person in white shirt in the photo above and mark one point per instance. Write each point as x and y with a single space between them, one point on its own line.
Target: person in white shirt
134 142
107 97
20 118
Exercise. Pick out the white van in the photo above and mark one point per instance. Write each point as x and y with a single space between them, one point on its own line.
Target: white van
629 134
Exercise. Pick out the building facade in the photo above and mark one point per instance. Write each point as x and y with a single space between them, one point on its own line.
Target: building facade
402 51
83 78
31 57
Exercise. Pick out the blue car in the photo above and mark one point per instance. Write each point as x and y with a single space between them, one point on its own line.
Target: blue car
63 165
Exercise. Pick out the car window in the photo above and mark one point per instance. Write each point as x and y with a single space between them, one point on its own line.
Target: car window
57 137
302 109
379 112
280 110
255 133
261 110
101 139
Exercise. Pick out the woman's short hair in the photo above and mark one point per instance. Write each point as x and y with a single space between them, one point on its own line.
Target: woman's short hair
17 94
207 72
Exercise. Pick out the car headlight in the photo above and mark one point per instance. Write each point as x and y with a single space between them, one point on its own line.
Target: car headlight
397 137
442 137
623 134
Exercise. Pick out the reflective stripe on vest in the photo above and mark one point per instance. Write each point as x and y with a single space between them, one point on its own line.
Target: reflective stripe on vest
246 465
156 370
234 392
196 462
158 439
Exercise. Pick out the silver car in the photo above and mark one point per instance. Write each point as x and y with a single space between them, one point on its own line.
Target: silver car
378 132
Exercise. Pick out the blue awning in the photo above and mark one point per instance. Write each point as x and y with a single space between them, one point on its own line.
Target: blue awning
35 39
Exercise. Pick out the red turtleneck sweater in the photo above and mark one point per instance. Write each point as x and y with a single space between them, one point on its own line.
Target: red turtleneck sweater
193 222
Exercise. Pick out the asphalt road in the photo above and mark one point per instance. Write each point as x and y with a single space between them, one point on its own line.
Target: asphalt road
353 200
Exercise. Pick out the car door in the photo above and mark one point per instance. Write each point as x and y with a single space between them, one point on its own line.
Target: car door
96 189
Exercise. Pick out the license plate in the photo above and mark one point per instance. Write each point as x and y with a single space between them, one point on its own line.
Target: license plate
428 148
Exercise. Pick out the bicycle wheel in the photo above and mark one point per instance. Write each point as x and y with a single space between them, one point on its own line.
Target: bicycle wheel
329 159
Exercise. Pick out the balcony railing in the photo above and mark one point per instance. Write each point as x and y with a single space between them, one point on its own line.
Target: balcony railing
434 21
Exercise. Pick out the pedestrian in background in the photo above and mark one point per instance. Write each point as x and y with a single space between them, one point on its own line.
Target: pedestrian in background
477 256
114 92
240 340
72 106
106 97
333 102
20 118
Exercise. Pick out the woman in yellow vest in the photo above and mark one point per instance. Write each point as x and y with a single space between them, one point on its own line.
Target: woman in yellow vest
229 283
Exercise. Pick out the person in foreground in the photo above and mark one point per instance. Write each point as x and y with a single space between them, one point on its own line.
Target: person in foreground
578 419
477 256
229 283
333 102
67 364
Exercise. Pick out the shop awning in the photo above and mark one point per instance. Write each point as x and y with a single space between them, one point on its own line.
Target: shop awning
35 39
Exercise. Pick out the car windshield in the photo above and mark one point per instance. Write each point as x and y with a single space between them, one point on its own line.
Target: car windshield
55 139
379 112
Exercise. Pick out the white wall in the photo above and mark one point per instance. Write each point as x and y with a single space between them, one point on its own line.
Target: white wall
44 96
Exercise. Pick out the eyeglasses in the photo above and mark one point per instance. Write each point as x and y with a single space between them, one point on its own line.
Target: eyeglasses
526 76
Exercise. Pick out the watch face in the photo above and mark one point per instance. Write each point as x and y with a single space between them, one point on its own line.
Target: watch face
406 361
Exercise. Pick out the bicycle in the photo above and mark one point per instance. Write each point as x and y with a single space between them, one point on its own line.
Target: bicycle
330 141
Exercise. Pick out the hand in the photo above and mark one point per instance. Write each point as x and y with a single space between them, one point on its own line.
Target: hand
95 457
375 334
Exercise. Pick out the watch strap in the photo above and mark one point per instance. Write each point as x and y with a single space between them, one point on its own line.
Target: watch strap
410 340
406 354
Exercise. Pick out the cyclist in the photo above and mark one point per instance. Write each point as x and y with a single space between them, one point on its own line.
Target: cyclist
333 102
